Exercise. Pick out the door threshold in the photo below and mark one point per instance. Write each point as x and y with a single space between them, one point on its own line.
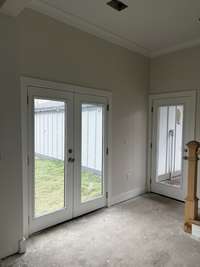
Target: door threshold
64 222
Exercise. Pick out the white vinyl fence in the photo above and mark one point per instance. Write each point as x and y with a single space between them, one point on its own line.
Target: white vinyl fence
50 130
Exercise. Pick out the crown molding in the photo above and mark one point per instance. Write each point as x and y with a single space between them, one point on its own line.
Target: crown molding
86 26
13 7
175 48
2 2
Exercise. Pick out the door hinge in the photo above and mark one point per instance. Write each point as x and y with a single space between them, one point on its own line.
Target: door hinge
106 195
28 161
151 109
27 99
108 107
150 180
151 145
28 219
107 151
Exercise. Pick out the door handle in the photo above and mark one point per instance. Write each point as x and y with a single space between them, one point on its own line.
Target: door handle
185 157
70 151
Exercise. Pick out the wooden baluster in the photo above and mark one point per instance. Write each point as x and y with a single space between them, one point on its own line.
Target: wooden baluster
191 201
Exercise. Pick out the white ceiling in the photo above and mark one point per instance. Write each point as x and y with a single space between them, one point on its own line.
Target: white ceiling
150 27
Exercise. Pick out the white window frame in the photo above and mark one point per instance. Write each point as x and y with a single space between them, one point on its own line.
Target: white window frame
27 82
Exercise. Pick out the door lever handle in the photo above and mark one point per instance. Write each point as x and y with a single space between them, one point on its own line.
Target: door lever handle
71 159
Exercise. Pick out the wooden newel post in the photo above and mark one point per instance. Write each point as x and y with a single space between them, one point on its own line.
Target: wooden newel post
191 201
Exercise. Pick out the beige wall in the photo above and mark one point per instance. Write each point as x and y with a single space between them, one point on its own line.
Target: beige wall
176 71
10 161
37 46
54 51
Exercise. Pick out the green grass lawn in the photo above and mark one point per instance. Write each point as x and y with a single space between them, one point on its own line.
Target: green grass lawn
49 186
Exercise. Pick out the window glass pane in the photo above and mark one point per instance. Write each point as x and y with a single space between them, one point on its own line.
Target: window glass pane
92 152
162 145
169 146
49 143
171 137
179 138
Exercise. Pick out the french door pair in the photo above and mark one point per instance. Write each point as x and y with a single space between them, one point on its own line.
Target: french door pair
173 126
67 156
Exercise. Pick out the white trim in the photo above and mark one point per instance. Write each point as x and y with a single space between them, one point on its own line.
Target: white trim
14 7
24 145
86 26
109 156
101 32
27 82
149 143
127 195
32 82
175 48
169 94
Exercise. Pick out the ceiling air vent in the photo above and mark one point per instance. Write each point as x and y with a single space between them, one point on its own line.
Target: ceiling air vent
118 5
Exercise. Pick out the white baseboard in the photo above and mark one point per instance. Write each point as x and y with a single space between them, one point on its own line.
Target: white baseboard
127 195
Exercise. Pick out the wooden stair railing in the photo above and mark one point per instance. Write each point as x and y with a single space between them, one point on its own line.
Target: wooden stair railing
191 201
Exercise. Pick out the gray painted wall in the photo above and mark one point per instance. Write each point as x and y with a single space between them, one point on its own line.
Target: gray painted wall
51 50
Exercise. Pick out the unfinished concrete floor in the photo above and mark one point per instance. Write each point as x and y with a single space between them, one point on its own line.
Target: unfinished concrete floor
147 231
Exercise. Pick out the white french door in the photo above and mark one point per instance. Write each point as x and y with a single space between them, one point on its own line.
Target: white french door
90 152
173 126
67 156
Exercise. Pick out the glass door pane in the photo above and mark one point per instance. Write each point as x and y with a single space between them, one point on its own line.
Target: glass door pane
170 142
49 156
91 151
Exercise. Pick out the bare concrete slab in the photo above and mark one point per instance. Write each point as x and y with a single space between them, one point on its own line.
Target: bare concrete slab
145 232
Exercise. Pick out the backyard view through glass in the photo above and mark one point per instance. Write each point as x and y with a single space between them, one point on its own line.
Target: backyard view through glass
49 121
92 152
170 145
49 146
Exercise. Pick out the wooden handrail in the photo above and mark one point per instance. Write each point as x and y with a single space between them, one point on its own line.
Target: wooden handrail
191 201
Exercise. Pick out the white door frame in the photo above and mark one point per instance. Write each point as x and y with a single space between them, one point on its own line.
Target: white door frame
152 97
27 82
